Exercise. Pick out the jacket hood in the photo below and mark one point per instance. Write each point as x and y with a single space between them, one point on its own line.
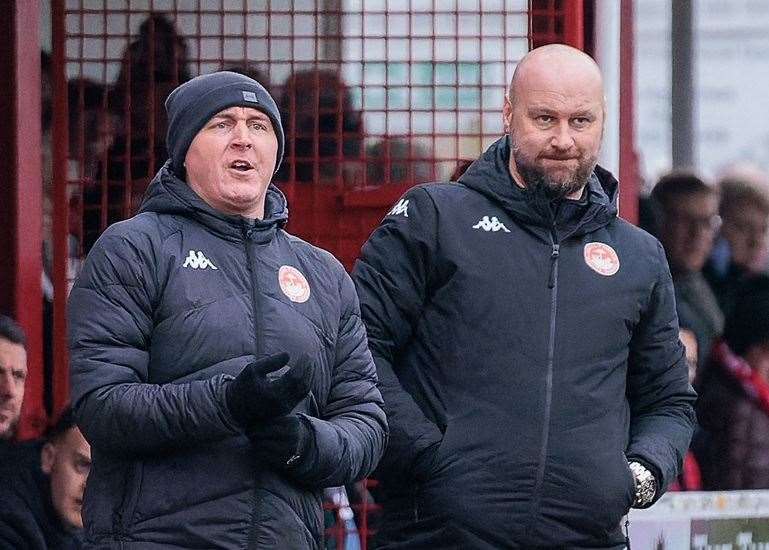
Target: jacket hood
490 176
167 194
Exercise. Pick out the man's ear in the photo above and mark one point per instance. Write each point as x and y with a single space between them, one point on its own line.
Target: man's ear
507 114
47 457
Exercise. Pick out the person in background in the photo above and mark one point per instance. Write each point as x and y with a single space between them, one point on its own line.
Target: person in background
324 131
734 396
398 161
690 476
13 376
688 222
743 249
153 65
41 491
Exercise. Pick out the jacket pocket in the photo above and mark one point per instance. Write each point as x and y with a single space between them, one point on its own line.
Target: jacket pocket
427 473
620 495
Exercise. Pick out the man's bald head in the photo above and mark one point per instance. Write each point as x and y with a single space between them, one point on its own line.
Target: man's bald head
559 62
554 114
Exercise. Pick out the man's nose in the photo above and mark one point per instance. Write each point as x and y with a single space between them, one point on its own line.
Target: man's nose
562 138
242 136
6 386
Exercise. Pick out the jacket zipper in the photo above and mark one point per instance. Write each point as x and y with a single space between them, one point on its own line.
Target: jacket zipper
248 232
552 284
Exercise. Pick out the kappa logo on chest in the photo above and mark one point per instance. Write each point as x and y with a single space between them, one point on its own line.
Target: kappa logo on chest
197 260
492 224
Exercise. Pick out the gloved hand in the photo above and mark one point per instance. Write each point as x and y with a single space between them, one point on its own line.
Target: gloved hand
254 395
282 442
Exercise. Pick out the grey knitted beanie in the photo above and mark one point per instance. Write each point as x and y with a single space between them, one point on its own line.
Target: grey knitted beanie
191 105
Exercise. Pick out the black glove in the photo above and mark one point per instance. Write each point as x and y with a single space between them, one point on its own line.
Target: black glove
254 395
282 442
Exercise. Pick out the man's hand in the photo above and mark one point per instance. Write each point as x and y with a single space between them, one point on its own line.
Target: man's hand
258 394
283 441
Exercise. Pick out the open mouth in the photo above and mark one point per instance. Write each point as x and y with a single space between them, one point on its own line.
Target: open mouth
241 165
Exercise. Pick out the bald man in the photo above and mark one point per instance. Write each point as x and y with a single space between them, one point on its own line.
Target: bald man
525 338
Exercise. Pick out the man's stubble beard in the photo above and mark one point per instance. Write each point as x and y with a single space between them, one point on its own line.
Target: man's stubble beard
536 179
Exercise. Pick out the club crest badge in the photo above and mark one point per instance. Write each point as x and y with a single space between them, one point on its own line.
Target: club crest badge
601 258
293 284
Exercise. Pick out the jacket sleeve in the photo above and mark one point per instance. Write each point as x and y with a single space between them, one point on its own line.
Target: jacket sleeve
661 399
110 328
393 277
351 434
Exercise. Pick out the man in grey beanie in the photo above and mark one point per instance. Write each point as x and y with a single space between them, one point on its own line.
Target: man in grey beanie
219 366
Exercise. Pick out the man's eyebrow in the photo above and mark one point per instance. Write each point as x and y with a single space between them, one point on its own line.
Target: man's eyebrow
228 116
541 109
583 113
259 116
224 115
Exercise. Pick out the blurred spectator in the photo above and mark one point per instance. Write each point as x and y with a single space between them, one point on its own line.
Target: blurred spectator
649 215
734 396
153 65
689 340
397 161
41 491
744 244
690 477
252 71
91 132
687 211
324 133
91 128
13 375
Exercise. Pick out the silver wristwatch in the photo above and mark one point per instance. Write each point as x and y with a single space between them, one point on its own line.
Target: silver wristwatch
645 485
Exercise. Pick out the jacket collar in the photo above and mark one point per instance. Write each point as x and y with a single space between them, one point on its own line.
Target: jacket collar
167 194
490 176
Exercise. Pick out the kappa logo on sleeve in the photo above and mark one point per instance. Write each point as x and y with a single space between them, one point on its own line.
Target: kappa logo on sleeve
401 207
196 260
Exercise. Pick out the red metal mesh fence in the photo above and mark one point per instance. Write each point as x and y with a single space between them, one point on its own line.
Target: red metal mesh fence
375 95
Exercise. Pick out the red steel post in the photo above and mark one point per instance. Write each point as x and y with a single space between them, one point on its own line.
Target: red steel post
21 193
628 159
60 143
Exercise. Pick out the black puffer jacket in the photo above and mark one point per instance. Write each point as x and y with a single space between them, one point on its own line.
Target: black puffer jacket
536 374
170 304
